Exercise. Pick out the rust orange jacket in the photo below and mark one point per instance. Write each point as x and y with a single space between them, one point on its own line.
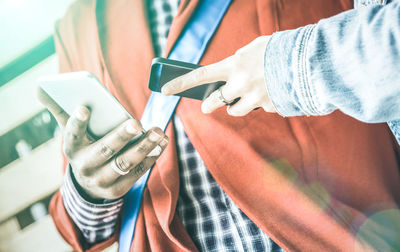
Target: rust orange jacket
308 183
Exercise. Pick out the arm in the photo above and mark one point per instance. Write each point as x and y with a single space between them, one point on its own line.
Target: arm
96 166
66 207
346 62
96 220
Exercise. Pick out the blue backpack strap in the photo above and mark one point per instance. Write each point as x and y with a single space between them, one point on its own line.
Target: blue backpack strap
159 109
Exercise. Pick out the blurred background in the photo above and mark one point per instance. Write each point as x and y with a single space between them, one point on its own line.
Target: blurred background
30 146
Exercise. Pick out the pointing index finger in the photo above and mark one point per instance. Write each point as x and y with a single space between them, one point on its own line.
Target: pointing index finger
203 75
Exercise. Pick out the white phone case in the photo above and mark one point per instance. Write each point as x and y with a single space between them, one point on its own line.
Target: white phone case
69 90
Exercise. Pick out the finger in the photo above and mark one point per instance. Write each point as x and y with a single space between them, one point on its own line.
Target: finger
128 180
268 107
113 142
207 74
75 130
109 174
133 156
59 114
216 99
242 107
124 183
121 185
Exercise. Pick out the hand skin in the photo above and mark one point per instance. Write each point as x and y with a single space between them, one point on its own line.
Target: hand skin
91 160
244 76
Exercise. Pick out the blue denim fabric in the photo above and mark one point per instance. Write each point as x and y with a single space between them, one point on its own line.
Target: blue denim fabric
359 3
347 62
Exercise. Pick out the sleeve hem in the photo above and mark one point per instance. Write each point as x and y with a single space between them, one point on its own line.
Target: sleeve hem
287 74
97 222
304 86
281 72
69 180
313 102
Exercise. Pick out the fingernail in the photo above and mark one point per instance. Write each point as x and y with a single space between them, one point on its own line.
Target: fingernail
155 152
154 136
131 129
81 114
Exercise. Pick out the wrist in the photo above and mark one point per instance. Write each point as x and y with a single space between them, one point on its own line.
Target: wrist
86 195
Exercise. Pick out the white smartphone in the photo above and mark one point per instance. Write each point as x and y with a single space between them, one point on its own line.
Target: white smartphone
69 90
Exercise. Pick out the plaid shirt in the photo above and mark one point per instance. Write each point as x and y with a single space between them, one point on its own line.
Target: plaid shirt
211 218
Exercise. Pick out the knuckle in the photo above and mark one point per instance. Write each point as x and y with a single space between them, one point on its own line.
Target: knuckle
81 166
78 165
97 182
122 136
106 151
140 169
199 73
144 147
231 91
71 137
122 163
100 182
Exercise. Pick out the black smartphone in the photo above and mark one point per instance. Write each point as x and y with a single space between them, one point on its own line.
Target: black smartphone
163 70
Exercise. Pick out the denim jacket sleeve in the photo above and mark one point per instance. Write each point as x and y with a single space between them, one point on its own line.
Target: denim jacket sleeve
347 62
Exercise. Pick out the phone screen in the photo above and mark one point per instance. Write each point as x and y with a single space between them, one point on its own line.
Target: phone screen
70 90
164 70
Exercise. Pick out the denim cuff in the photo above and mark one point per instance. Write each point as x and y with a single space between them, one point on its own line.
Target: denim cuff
287 74
283 72
278 75
395 127
362 3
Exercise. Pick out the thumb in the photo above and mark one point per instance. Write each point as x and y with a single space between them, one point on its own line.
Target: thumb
59 114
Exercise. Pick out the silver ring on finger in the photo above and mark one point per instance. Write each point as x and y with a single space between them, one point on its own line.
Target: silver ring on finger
116 164
221 96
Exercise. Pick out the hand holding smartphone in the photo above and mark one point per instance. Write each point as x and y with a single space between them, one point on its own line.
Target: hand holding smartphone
108 166
71 90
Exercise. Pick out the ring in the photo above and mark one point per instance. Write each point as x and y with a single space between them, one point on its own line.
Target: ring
115 165
221 97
